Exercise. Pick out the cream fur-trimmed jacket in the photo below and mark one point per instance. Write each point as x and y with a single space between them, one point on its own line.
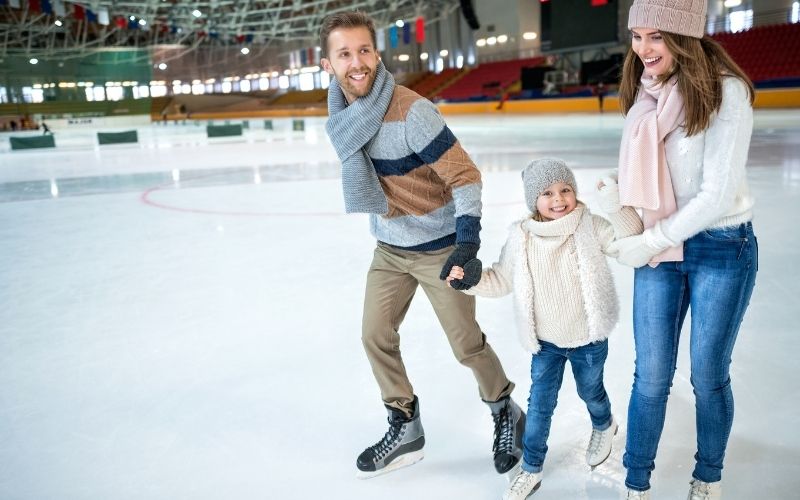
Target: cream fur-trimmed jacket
563 288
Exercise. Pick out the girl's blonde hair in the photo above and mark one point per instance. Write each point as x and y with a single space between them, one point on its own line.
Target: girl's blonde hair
700 64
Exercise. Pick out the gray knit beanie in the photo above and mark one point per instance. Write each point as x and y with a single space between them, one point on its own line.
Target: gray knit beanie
541 174
684 17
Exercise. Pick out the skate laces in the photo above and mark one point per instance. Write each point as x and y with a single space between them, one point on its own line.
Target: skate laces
391 437
596 441
700 490
503 431
522 482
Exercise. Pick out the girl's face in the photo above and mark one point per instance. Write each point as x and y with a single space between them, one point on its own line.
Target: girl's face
649 45
556 201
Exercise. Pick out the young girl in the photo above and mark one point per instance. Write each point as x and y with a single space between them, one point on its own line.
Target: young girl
564 293
682 160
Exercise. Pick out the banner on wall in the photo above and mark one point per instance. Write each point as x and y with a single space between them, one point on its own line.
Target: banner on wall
381 36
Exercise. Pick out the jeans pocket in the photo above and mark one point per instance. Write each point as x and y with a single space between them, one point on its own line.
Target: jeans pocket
732 234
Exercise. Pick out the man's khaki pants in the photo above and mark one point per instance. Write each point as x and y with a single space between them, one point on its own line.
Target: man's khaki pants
391 282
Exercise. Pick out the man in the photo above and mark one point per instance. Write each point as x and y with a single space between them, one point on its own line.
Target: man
403 166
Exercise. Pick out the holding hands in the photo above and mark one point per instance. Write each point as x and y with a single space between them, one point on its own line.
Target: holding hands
636 251
464 259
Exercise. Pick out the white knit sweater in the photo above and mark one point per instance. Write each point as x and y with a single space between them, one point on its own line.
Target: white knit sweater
708 169
563 289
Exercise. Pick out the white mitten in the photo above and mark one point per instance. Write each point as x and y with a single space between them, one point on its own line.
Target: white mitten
636 251
608 193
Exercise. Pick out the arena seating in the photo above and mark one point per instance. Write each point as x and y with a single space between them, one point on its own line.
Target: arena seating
488 80
428 86
765 52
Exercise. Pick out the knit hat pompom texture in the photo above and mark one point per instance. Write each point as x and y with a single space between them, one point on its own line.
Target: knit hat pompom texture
543 173
683 17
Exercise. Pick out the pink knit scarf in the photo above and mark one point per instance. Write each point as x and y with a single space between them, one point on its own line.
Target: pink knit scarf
644 180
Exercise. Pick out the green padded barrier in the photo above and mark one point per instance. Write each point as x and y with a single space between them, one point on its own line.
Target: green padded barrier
223 130
41 141
298 125
267 124
117 137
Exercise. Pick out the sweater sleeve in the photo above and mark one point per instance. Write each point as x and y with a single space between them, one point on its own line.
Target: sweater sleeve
429 137
626 222
727 141
496 281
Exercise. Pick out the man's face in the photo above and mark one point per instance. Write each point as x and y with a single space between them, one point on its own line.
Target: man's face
353 60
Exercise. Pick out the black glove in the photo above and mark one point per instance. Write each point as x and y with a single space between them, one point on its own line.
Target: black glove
464 256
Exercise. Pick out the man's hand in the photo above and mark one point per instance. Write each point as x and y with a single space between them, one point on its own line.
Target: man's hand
465 257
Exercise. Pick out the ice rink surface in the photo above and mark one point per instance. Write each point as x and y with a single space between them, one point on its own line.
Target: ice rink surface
180 319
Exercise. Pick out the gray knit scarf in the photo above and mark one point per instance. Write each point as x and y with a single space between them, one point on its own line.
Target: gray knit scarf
350 128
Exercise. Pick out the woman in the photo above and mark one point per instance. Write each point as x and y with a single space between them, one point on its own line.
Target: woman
688 120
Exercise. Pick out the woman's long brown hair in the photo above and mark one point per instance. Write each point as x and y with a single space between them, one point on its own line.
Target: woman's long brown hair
699 65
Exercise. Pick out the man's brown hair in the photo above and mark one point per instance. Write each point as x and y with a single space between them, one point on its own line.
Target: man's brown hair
351 19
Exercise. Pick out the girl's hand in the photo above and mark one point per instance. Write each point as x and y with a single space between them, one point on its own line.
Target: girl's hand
456 273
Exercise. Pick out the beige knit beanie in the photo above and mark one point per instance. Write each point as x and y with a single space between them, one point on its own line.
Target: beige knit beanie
683 17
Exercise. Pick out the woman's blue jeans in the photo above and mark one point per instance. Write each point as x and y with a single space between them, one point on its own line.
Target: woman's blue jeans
715 280
547 372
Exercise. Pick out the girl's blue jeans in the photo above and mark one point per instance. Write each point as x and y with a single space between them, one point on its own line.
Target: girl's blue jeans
715 280
547 372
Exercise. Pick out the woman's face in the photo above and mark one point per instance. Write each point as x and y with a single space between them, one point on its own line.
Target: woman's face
649 45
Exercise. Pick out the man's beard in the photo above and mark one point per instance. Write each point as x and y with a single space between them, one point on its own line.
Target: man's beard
349 87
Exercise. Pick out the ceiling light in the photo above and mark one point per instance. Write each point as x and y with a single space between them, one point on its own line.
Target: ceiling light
196 13
530 35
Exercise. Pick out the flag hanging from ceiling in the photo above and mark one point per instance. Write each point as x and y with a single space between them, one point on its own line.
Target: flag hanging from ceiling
420 30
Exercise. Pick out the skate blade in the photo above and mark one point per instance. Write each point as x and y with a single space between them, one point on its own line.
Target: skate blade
403 461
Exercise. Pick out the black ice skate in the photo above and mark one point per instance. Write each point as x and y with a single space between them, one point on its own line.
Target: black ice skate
400 447
509 426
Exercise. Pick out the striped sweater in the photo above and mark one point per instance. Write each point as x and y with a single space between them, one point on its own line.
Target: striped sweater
432 186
